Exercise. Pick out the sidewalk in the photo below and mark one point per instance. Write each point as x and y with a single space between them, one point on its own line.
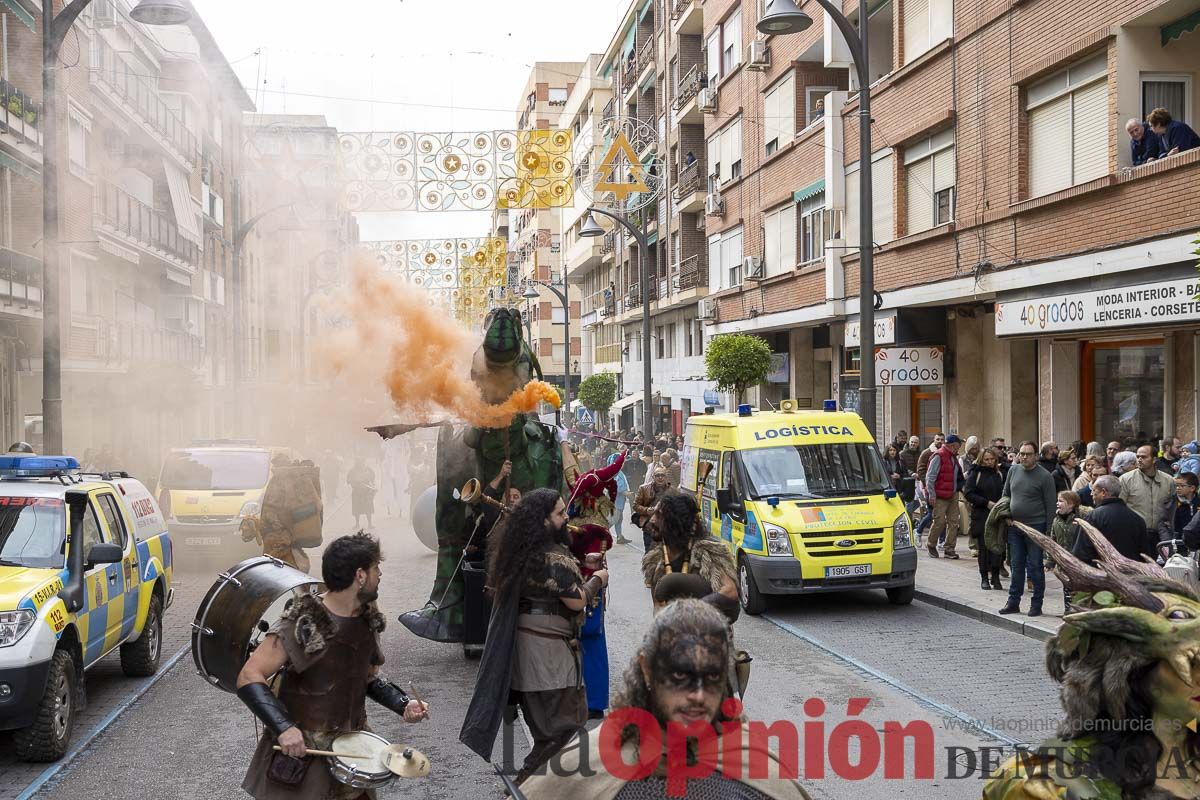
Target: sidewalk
954 586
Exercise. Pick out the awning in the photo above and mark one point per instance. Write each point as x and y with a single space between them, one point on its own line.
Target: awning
187 211
652 238
645 10
1179 27
626 402
20 12
812 190
627 47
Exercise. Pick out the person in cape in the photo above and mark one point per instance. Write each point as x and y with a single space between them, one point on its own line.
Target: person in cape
1128 659
676 683
327 651
531 657
686 548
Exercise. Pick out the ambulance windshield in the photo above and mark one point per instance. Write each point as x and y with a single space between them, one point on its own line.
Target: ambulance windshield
215 470
31 532
814 470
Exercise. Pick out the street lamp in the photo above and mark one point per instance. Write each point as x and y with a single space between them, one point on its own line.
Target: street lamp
54 32
783 17
531 293
591 229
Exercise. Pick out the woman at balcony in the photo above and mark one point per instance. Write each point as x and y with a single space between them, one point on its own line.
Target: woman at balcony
1176 136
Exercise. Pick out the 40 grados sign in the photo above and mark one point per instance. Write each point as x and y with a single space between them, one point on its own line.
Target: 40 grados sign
910 366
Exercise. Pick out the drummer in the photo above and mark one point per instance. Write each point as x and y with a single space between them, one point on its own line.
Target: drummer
327 649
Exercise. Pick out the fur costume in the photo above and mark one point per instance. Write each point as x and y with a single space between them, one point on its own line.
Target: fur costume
709 558
314 625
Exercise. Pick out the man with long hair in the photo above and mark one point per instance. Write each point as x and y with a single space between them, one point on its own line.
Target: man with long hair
676 683
532 647
687 548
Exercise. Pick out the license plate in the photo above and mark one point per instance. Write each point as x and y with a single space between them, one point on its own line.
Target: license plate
203 541
848 572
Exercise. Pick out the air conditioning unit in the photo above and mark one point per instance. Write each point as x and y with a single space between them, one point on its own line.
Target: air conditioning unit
708 309
752 268
758 57
706 100
714 204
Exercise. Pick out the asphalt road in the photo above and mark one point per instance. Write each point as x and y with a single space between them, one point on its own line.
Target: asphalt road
974 685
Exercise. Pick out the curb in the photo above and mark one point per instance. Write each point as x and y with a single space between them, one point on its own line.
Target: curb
1017 623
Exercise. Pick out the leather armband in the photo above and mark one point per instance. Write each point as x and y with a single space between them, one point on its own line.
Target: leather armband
726 605
266 706
388 695
592 587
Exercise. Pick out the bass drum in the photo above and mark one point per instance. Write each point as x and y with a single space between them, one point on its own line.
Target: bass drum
424 517
238 611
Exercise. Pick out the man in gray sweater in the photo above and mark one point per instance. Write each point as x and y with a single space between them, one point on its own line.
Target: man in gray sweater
1030 491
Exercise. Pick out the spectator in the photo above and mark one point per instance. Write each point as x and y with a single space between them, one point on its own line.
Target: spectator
1171 455
910 453
1177 137
670 460
1089 472
1001 448
1184 509
1147 490
1122 462
1063 529
1144 144
1064 472
895 468
1111 452
966 459
983 489
1189 460
1095 450
1030 491
1049 457
1120 524
943 481
689 159
939 439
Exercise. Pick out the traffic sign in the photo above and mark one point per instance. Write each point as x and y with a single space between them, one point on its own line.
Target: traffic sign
584 416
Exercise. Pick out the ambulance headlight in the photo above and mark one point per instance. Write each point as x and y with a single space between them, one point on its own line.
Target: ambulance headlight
14 625
250 509
901 533
778 541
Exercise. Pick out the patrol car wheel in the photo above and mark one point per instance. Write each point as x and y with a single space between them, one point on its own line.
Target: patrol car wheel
753 601
901 595
139 659
47 738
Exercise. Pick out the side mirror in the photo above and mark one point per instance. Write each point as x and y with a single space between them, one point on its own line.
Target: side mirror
105 553
724 500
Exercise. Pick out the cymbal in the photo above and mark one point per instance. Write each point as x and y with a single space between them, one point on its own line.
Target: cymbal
404 761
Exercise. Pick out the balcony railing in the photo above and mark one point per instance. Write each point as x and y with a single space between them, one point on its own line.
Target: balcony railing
609 243
142 97
679 7
21 115
608 353
126 214
689 180
689 86
693 272
20 270
610 109
645 56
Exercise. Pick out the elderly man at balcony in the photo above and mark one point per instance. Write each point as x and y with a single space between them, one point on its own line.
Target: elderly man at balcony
1144 143
689 159
1177 137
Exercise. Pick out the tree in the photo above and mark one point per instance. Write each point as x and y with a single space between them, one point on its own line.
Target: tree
598 392
736 361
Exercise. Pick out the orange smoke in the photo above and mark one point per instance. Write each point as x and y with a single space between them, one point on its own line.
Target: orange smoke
421 354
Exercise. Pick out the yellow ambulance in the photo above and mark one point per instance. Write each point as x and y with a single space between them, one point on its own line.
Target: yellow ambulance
803 501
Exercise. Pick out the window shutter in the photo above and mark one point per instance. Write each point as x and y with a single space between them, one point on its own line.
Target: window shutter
1050 147
1090 132
943 170
881 196
787 111
735 142
733 36
727 156
716 270
919 195
714 58
941 21
850 227
771 119
771 252
916 29
787 238
714 154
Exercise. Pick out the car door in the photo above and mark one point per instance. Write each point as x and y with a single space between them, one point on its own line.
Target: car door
130 576
100 584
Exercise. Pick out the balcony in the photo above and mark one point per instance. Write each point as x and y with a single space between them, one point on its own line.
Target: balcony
693 273
690 189
608 353
689 86
608 244
687 18
20 122
20 278
118 213
645 59
139 98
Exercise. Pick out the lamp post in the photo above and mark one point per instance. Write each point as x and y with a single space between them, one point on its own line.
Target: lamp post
591 229
531 293
54 32
783 17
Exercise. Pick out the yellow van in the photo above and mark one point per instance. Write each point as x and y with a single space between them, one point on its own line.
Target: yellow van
803 501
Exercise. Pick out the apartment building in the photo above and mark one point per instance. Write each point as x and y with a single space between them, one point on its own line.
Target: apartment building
535 236
1010 227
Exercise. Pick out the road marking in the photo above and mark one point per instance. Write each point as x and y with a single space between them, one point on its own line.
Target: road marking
971 723
53 770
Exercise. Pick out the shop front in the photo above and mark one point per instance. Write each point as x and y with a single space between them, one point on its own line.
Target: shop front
1116 356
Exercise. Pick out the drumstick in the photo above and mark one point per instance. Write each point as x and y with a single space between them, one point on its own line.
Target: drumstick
417 697
308 752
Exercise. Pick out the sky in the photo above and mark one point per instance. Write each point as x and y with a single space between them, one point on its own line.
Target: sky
418 65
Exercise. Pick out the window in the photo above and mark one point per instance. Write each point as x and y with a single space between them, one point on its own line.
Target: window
699 327
883 218
558 96
926 23
812 229
731 42
929 182
112 515
558 353
670 340
92 535
779 115
712 49
660 348
814 103
779 247
725 259
79 126
1068 127
1172 92
725 154
688 327
83 287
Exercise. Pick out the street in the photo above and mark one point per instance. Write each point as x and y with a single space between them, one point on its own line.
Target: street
185 739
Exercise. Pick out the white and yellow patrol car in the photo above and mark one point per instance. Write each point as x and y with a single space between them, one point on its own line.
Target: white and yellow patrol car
85 569
803 501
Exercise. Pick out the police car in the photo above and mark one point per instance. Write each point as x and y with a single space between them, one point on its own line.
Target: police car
64 607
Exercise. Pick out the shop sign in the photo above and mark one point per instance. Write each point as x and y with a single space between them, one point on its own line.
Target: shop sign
885 330
909 366
779 368
1145 304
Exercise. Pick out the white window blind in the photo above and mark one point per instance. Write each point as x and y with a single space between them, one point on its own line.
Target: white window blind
883 218
714 155
716 275
780 245
735 149
1068 126
725 153
779 112
941 21
919 195
943 170
928 173
850 226
731 256
1089 132
1050 147
713 50
731 42
916 29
